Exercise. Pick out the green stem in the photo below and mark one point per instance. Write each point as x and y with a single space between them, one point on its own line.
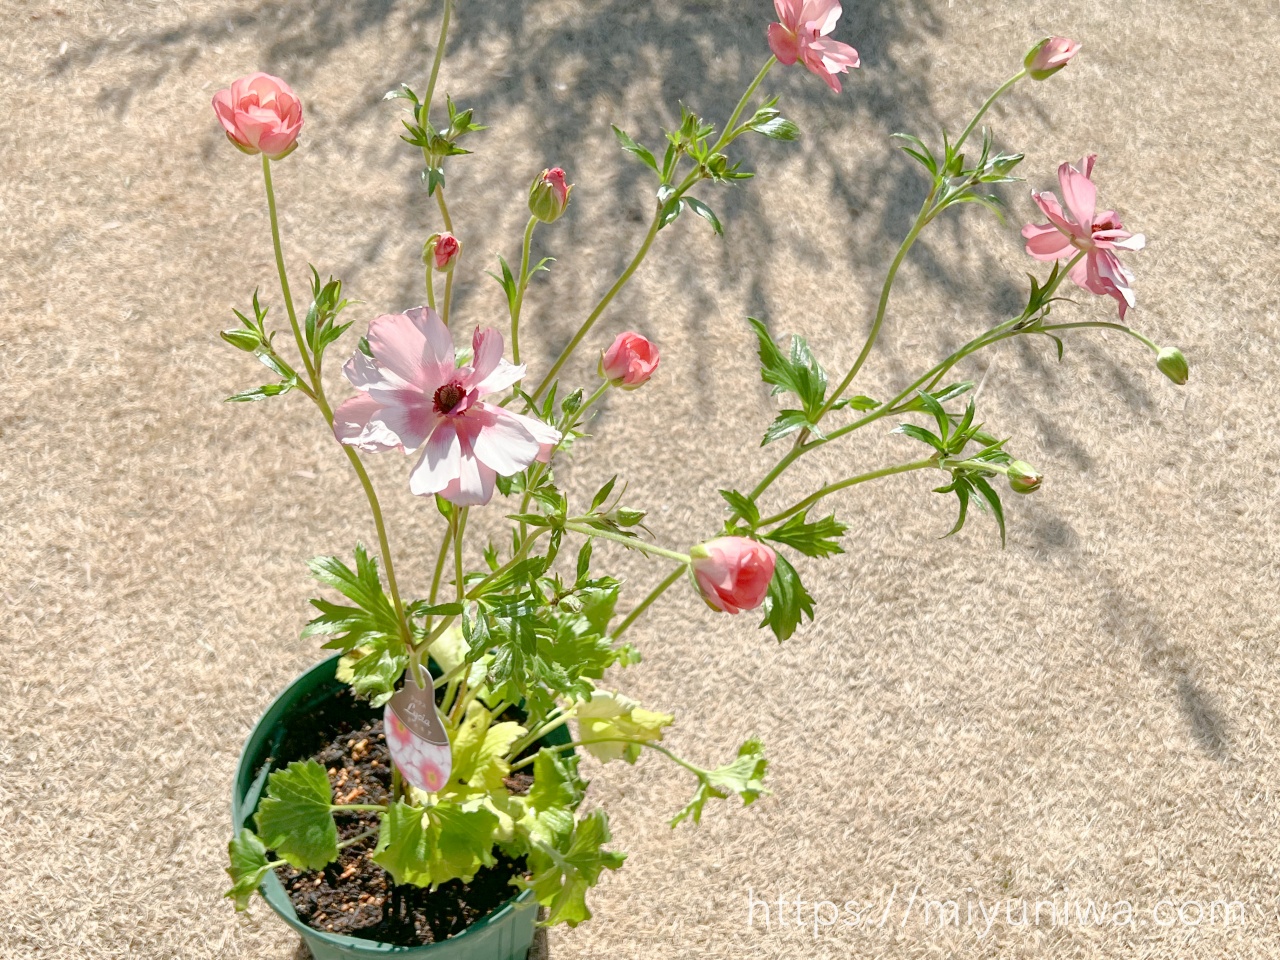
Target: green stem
317 394
460 527
654 594
534 736
560 748
621 282
515 558
728 134
447 303
524 284
352 807
435 65
364 835
922 218
1000 91
633 542
1099 325
844 484
284 276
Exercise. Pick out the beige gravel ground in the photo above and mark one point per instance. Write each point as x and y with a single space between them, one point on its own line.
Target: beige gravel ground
1089 714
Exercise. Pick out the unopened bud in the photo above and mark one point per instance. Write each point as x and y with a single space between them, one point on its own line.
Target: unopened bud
442 249
549 195
1049 56
1173 364
1023 477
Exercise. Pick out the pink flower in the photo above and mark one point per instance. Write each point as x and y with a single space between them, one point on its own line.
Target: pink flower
1049 56
549 195
1096 234
446 251
413 394
260 114
802 35
732 573
630 361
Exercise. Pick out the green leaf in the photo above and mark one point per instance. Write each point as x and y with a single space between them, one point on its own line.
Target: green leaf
631 146
787 602
993 500
787 423
552 800
856 403
743 506
508 283
294 818
607 717
705 212
428 846
602 495
479 749
818 539
262 392
921 434
242 339
743 776
798 373
562 875
249 866
773 125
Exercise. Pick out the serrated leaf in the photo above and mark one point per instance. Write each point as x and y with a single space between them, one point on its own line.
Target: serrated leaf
743 776
786 423
294 818
631 146
552 800
249 866
562 875
742 505
787 602
428 846
798 373
817 539
608 717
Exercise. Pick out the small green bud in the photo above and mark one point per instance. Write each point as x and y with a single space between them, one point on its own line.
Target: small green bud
1023 477
549 195
1173 364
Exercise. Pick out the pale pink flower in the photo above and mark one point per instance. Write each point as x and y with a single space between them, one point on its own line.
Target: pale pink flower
1095 233
413 394
732 573
802 33
261 114
1049 56
630 361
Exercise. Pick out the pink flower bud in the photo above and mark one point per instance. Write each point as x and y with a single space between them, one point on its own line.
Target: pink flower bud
732 573
549 195
446 251
629 362
260 114
1049 56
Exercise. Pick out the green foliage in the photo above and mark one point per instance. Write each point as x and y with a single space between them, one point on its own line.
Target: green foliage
743 506
630 145
606 718
817 539
366 630
253 337
294 819
428 846
787 603
743 776
249 866
436 145
562 873
956 181
797 372
550 803
321 328
768 120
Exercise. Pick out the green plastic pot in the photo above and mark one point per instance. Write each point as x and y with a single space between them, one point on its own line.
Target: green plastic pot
505 934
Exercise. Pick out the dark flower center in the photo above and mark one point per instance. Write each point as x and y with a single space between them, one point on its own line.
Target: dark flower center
448 397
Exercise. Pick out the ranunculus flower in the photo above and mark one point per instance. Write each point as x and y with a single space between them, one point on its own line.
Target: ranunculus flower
413 394
732 573
1097 233
802 33
549 195
630 361
261 114
446 251
1049 56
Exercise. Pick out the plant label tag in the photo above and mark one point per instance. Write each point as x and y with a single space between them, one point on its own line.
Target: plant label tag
416 737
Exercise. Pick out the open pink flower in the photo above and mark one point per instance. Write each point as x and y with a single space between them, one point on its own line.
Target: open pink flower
1095 233
802 33
261 114
413 394
732 573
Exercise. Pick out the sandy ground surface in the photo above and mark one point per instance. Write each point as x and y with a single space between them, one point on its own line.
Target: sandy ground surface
1090 714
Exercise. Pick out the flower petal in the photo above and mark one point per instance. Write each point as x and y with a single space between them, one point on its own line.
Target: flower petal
400 346
502 442
1079 194
475 482
440 463
820 15
1046 242
358 422
1049 206
784 44
789 13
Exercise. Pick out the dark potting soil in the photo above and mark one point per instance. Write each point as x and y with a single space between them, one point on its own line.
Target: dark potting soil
353 895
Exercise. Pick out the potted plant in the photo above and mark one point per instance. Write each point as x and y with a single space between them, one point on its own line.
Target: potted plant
419 791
